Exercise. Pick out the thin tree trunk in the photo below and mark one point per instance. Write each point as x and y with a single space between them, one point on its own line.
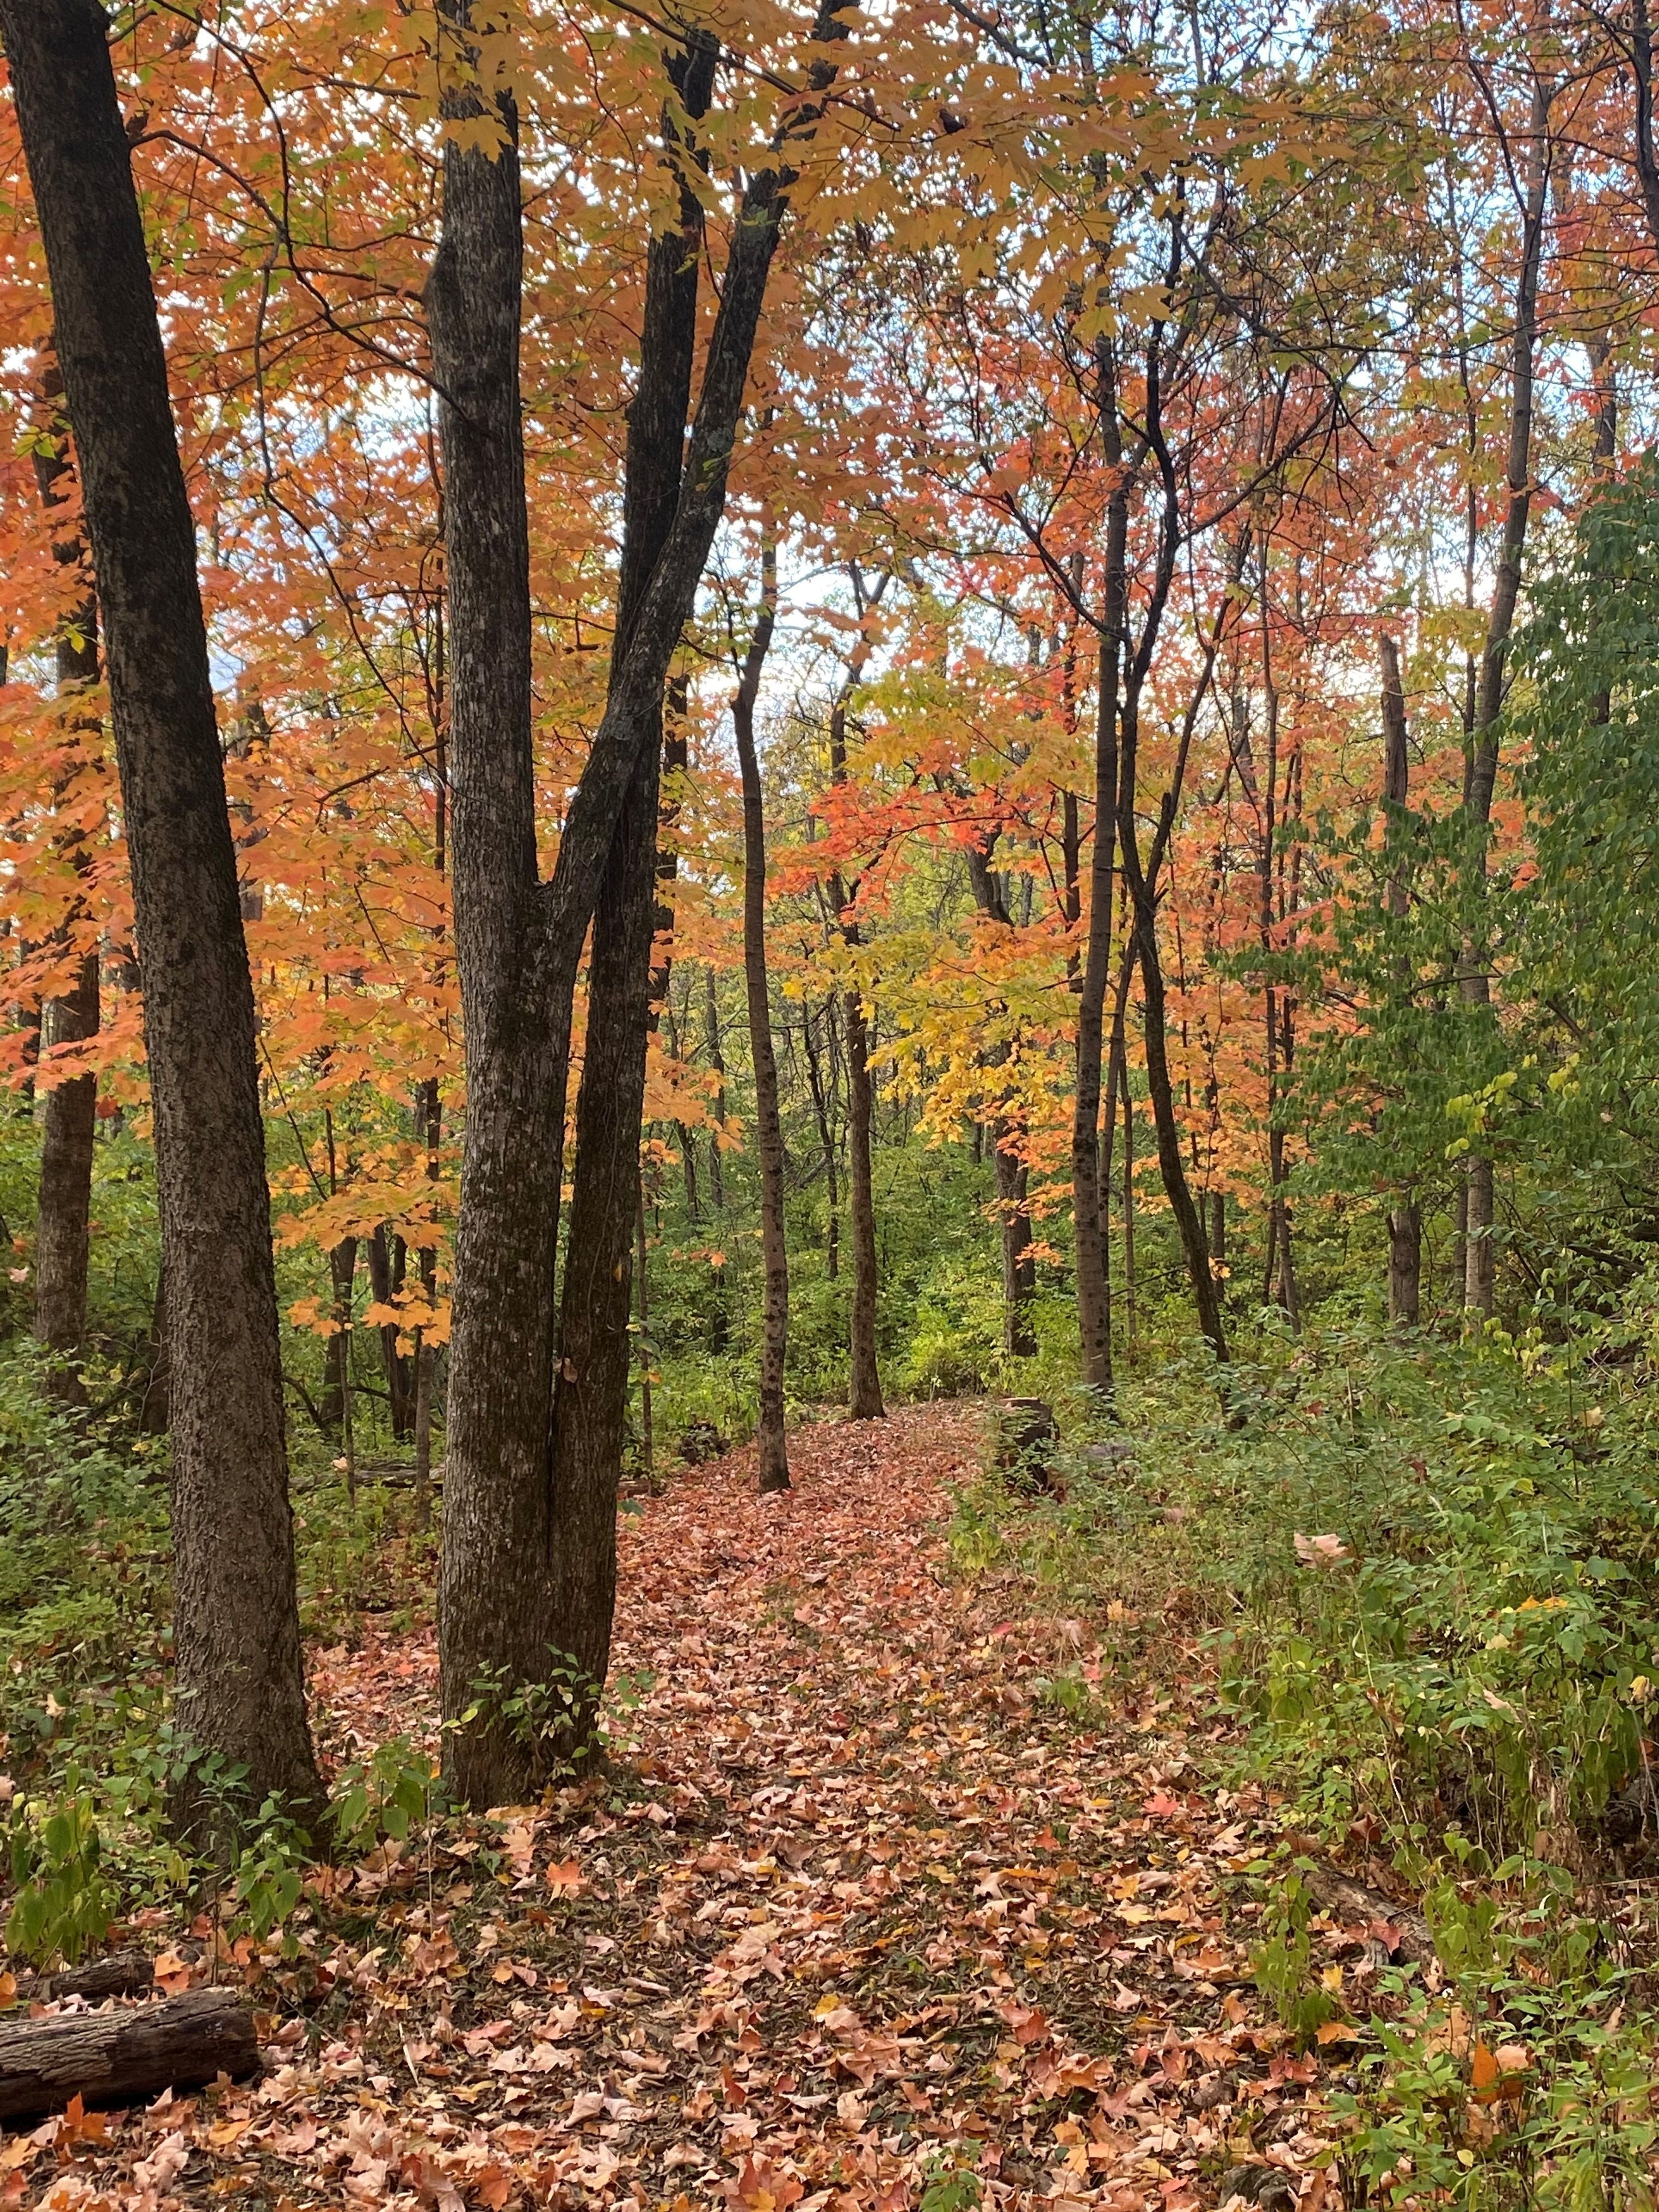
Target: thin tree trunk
385 1281
864 1394
240 1686
1404 1215
771 1443
821 1106
154 1403
68 1112
864 1397
717 1061
1094 1303
429 1124
1018 1274
69 1117
1474 981
647 1443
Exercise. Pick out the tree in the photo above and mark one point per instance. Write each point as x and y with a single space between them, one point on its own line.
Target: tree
519 938
69 1109
774 1450
239 1689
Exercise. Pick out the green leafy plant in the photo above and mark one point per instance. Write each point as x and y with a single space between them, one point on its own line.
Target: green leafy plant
63 1902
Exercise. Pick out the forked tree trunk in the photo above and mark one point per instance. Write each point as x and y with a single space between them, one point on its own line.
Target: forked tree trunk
771 1442
590 1401
508 1623
239 1682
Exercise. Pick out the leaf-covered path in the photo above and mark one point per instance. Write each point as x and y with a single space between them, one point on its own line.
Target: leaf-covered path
862 1906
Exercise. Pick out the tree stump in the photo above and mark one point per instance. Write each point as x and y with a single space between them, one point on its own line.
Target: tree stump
1027 1437
125 2058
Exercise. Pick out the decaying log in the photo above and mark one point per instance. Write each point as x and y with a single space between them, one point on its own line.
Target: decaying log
121 1974
1353 1900
125 2057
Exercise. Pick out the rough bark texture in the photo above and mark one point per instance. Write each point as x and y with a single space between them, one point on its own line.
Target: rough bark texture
518 942
240 1691
773 1449
496 1621
125 2058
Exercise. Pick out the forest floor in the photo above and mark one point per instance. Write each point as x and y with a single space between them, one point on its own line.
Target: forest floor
859 1905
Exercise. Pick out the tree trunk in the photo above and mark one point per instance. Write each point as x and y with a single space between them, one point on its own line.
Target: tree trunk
1094 1303
337 1353
385 1281
590 1404
1018 1274
154 1401
125 2058
864 1394
821 1109
717 1063
503 1595
1474 981
1404 1215
239 1681
864 1399
771 1443
69 1114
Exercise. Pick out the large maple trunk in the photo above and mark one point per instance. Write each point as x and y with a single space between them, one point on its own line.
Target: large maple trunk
771 1443
239 1690
508 1624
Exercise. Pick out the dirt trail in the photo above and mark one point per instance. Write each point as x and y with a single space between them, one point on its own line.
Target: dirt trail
864 1905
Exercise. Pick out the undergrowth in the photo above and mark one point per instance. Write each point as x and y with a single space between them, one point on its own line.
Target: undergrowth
1424 1575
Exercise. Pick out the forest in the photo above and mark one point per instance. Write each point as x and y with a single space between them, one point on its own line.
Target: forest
828 1131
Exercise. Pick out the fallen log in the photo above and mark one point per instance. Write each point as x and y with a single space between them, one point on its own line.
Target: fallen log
1354 1900
125 2058
121 1974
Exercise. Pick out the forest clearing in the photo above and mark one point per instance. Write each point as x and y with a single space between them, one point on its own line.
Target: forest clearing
829 1033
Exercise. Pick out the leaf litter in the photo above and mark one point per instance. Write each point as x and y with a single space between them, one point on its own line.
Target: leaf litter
855 1912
